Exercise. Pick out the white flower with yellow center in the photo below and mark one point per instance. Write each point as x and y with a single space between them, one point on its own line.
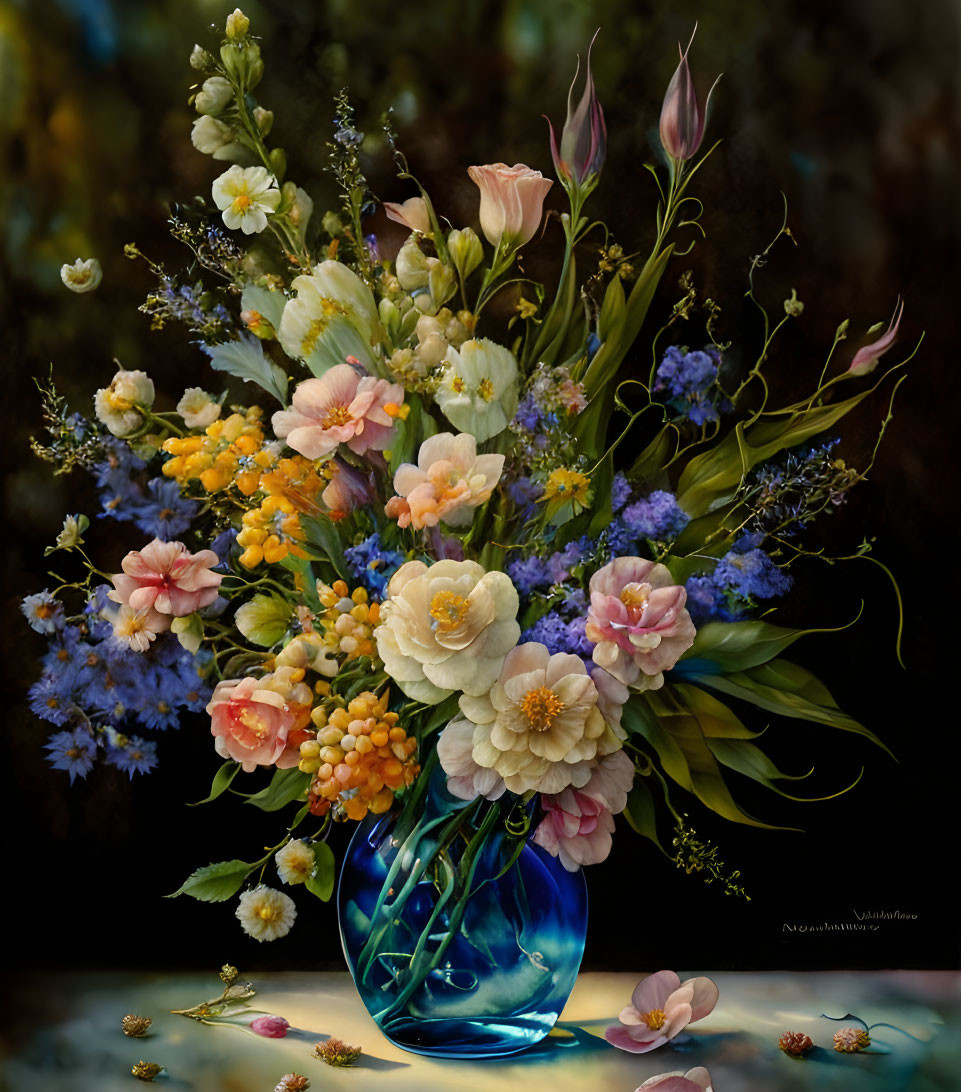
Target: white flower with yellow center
295 861
266 914
332 316
83 275
245 197
478 388
539 726
446 628
198 408
116 406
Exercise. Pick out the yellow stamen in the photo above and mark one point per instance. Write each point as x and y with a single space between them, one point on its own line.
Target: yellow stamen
636 595
448 609
336 415
457 385
655 1019
253 722
541 706
242 202
486 389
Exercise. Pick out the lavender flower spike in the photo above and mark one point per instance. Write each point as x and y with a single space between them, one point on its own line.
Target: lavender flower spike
584 136
682 122
866 358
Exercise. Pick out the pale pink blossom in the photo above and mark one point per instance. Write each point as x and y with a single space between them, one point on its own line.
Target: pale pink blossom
136 629
694 1080
271 1027
578 823
251 719
339 408
611 698
167 577
465 779
867 357
638 621
661 1007
349 488
412 214
449 481
511 202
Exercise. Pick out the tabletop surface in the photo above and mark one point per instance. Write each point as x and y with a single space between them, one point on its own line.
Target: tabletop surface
63 1035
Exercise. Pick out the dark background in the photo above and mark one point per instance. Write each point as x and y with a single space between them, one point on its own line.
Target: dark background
850 108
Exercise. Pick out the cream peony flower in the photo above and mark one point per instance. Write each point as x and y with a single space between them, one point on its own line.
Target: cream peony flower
478 389
449 481
266 914
446 628
465 779
333 316
295 861
116 405
198 408
82 276
539 726
245 196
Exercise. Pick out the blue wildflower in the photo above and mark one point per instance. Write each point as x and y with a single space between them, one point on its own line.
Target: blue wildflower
529 573
618 539
525 493
620 492
164 513
560 563
65 652
550 630
224 543
195 693
657 517
706 602
97 604
134 755
528 414
119 492
577 641
690 380
72 751
50 698
43 611
749 572
372 565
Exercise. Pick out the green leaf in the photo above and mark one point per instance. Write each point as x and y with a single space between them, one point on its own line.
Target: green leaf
321 880
263 619
748 759
601 483
716 720
653 458
734 646
640 812
244 358
265 301
285 787
215 882
221 782
441 716
322 535
789 690
307 585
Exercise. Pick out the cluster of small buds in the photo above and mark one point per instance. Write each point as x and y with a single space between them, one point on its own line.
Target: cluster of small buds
292 1082
435 335
229 451
145 1071
795 1043
337 1052
360 757
272 531
851 1040
348 621
135 1027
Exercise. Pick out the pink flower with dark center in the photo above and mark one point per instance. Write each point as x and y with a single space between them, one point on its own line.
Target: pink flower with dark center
168 578
638 621
339 408
578 823
252 723
271 1027
661 1007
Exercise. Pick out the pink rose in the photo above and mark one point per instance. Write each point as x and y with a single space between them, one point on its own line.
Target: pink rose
661 1007
511 202
252 724
339 408
578 823
637 621
167 577
271 1027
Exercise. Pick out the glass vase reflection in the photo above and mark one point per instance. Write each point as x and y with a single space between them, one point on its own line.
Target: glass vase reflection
463 938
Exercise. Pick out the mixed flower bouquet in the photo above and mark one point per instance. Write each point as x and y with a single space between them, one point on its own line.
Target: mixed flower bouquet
406 554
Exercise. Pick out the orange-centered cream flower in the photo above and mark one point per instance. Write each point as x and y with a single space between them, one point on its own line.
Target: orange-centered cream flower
446 628
539 726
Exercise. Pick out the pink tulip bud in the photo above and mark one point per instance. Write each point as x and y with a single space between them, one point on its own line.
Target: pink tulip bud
866 358
682 122
271 1027
584 136
511 202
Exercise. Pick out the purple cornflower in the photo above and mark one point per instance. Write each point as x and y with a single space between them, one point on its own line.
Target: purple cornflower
749 573
72 751
43 612
50 697
164 513
134 755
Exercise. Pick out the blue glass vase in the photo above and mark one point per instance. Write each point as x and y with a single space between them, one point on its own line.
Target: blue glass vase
463 937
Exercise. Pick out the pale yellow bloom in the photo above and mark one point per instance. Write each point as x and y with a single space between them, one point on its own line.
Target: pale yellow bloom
266 914
82 276
294 862
198 408
245 197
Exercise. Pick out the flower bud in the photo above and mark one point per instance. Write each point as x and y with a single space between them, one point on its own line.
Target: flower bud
411 266
237 25
412 214
441 280
584 136
83 275
214 96
466 251
264 119
200 59
682 122
511 202
866 358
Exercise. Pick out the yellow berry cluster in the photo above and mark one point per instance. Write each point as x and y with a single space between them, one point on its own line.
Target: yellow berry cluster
273 530
228 451
348 621
359 759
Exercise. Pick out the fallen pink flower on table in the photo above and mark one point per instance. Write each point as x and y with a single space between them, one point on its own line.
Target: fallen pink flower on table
661 1007
694 1080
271 1027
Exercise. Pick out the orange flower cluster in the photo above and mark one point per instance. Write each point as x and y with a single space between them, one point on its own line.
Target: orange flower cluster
228 451
349 620
273 530
360 758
